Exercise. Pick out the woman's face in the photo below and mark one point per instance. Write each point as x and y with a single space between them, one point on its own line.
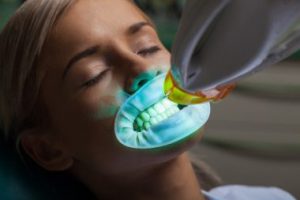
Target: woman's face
93 55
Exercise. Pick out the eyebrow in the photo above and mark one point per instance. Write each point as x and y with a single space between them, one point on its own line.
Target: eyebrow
87 52
133 29
137 27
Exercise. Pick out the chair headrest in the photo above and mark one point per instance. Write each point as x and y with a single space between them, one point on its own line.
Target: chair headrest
21 182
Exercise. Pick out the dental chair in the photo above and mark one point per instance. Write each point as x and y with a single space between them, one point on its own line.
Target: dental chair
20 181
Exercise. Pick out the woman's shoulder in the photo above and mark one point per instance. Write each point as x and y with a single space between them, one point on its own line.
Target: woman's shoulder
240 192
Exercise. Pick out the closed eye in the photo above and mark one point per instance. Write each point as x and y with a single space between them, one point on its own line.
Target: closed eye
149 51
95 80
143 52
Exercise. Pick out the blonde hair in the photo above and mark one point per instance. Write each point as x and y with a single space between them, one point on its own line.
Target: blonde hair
21 42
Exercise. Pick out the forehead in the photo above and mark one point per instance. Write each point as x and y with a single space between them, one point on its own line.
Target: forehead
100 16
88 22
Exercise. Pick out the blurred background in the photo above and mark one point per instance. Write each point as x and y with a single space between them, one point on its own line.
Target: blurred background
253 136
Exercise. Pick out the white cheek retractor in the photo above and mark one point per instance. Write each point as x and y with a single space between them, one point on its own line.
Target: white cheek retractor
148 120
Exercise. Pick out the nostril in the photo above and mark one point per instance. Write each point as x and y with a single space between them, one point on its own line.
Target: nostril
142 79
138 83
158 72
141 83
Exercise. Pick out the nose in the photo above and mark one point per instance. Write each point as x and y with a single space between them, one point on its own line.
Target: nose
136 70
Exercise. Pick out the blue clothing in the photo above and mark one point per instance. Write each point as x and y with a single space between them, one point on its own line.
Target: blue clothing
238 192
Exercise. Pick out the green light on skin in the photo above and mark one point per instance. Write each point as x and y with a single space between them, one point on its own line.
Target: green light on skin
110 105
107 111
108 108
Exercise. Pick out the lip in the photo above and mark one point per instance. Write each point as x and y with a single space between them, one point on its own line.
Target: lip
174 129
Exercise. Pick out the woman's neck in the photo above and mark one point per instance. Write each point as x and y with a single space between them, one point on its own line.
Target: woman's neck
173 180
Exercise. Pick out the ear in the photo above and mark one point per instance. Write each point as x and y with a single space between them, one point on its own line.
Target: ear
45 151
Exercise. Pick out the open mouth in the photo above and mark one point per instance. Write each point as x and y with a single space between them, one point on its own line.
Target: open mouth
148 120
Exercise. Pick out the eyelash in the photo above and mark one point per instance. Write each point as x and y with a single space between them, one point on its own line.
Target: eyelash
143 52
96 79
149 51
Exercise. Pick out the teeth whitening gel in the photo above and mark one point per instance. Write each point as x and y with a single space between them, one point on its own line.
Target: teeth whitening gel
221 41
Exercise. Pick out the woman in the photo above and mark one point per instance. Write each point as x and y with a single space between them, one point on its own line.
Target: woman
67 68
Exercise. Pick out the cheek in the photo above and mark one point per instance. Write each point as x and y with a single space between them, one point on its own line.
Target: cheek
108 106
89 123
162 61
98 102
97 149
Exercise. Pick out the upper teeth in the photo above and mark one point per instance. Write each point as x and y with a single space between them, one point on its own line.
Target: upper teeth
155 114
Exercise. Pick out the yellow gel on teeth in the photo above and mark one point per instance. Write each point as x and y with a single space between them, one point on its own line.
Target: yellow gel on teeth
178 95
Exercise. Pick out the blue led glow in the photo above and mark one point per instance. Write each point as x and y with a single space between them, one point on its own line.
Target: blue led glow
170 131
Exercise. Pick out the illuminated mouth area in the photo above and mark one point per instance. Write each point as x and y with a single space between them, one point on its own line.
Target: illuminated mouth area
148 120
155 114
